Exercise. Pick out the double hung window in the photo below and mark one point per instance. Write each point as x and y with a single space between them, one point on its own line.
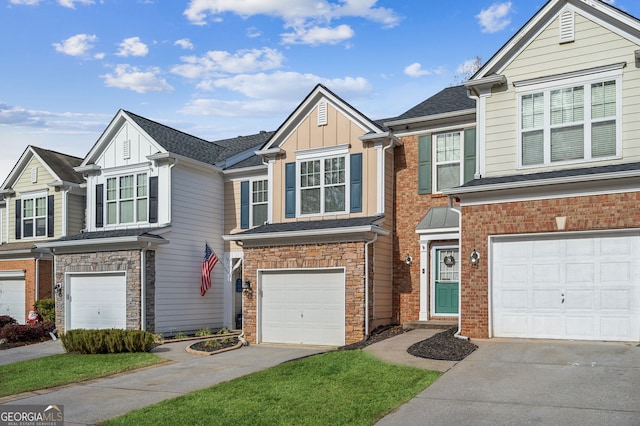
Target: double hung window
575 123
259 202
127 199
323 185
447 170
34 217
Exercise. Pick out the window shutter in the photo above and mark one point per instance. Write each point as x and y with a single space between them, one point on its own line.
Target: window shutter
244 204
290 190
18 219
424 164
469 154
355 201
153 199
50 208
99 205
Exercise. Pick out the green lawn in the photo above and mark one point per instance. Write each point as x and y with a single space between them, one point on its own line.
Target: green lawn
340 387
56 370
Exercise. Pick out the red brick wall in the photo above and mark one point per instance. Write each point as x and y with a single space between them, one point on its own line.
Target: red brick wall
410 209
347 255
597 212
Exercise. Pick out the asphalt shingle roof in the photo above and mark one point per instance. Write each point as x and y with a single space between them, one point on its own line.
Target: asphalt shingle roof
312 225
111 234
61 164
448 100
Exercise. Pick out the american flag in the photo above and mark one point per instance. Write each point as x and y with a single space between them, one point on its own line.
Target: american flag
210 260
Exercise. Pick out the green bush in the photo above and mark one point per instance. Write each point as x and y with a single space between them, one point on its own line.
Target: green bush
47 309
107 341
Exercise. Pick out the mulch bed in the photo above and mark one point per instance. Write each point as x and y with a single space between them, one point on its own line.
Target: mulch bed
441 346
204 347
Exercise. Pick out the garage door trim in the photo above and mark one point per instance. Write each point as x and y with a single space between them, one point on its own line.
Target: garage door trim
68 278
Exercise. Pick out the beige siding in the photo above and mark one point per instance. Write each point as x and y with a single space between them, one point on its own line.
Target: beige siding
340 130
75 213
594 46
231 213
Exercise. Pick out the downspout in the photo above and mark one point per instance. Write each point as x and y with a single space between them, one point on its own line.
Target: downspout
37 292
366 285
457 333
143 287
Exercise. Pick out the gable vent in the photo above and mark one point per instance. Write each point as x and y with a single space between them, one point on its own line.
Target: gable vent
567 26
322 113
34 175
126 150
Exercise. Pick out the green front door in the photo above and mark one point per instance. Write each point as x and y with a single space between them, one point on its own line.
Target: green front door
447 281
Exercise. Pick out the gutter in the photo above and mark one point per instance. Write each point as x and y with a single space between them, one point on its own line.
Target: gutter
305 233
457 333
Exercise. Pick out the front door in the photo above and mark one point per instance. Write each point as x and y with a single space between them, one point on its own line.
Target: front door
446 281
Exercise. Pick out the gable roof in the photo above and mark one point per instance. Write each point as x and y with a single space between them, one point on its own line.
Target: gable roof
308 104
607 15
59 165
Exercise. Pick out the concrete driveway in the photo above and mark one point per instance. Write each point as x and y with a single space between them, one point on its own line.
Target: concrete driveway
533 382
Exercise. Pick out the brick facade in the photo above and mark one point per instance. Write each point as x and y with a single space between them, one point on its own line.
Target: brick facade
117 261
409 209
588 213
45 283
349 255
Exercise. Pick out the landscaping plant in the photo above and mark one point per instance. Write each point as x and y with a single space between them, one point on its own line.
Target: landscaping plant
107 341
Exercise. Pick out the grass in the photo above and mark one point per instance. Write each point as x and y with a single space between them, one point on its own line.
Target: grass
340 387
56 370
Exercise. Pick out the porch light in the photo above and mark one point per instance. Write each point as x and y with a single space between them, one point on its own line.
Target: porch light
475 258
408 260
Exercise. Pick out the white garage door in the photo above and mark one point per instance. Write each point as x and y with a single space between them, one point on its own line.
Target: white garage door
584 288
305 307
12 295
97 301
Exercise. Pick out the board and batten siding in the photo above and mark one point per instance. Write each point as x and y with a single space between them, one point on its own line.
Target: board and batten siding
197 216
339 130
140 147
593 46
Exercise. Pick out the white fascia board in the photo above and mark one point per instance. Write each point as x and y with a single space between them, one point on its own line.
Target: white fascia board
13 273
166 156
89 168
437 231
244 172
307 233
101 244
429 118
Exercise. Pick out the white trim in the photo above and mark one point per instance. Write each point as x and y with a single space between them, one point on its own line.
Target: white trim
438 129
325 151
380 178
320 155
12 273
432 276
306 233
425 241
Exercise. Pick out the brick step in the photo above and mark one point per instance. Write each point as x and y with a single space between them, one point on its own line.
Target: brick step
443 325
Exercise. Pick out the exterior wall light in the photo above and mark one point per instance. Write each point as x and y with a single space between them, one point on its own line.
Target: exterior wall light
475 258
246 288
408 260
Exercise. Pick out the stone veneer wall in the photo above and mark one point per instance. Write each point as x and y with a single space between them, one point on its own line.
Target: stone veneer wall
348 255
117 261
588 213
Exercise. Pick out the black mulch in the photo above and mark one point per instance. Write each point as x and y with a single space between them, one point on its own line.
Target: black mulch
442 346
208 347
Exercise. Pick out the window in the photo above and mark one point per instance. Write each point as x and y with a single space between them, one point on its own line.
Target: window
569 124
323 186
127 199
259 202
34 217
447 160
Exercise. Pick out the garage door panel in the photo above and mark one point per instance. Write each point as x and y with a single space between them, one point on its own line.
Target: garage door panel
302 307
12 298
585 287
97 301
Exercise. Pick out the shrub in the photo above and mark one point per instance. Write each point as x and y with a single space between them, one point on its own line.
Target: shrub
47 309
14 333
223 330
107 341
203 332
6 319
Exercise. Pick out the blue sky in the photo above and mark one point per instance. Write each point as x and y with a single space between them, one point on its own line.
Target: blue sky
223 68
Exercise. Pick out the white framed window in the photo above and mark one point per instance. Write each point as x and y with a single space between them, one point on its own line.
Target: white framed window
34 216
127 199
447 170
323 185
259 202
574 121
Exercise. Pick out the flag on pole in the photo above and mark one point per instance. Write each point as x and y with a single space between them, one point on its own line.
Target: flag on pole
208 263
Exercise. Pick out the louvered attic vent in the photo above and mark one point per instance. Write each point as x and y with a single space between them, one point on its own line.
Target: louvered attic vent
322 113
567 26
126 150
34 175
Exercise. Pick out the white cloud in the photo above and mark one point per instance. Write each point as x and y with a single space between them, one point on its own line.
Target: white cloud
415 70
218 62
25 2
309 14
273 95
77 45
495 18
253 32
132 46
185 43
71 3
130 77
318 35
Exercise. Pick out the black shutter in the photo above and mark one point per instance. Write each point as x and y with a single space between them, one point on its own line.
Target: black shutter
18 219
290 190
50 216
153 199
355 204
99 205
244 204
